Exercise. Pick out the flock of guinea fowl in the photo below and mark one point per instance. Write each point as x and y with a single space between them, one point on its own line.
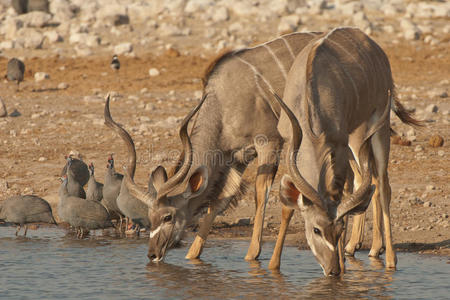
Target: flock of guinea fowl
101 206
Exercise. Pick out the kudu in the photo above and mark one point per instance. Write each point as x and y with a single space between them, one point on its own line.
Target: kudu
341 90
233 127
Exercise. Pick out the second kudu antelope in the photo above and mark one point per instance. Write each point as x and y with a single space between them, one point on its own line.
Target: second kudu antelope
341 90
234 126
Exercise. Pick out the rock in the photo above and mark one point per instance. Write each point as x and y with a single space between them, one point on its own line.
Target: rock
411 132
113 15
92 41
350 8
42 158
289 24
24 6
153 72
78 37
171 52
166 29
436 141
398 140
11 26
53 36
94 99
63 86
418 148
62 10
220 14
39 76
3 112
242 222
6 45
197 5
430 187
441 153
123 48
411 34
432 108
35 19
15 113
83 51
427 204
29 38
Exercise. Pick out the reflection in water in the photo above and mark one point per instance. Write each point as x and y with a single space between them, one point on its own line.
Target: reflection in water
50 264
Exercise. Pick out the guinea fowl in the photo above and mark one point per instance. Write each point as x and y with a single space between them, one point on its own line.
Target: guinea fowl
80 213
111 189
23 210
74 187
80 170
15 70
94 189
131 207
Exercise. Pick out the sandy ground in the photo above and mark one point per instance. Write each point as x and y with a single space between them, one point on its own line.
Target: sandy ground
53 122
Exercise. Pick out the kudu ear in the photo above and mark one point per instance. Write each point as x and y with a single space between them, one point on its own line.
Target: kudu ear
351 208
157 179
197 183
289 193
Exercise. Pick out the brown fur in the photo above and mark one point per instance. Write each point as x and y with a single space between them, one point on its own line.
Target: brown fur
214 62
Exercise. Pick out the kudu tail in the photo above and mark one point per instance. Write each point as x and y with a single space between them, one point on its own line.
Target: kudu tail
402 113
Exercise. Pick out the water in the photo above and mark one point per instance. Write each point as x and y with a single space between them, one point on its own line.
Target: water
50 264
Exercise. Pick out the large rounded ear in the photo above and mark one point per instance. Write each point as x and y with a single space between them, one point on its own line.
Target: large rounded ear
157 179
289 193
197 183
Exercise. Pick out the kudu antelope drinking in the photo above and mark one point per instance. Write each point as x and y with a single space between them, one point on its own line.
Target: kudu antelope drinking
233 127
341 90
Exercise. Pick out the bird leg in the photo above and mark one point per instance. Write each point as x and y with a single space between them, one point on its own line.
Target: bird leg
26 229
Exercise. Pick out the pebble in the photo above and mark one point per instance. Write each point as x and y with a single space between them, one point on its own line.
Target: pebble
123 48
42 158
63 86
427 204
40 76
432 108
3 112
15 113
430 187
441 153
153 72
418 148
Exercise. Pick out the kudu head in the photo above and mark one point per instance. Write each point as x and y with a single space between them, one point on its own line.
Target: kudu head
167 198
323 216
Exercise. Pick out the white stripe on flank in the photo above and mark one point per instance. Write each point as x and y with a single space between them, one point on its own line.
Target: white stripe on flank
280 65
256 72
154 232
288 47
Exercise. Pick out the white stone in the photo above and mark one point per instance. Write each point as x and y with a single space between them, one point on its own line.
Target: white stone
63 86
5 45
166 29
153 72
62 10
289 23
53 36
350 8
30 38
411 34
35 19
123 48
83 51
11 26
3 112
112 14
193 6
92 41
418 148
39 76
42 158
76 38
220 14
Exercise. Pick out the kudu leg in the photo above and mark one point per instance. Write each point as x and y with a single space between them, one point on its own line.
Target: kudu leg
380 146
197 246
286 215
267 168
377 233
357 235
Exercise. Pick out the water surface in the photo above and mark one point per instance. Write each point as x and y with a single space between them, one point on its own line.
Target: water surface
51 264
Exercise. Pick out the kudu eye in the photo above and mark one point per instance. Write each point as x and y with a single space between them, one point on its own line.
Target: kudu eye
316 230
167 218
